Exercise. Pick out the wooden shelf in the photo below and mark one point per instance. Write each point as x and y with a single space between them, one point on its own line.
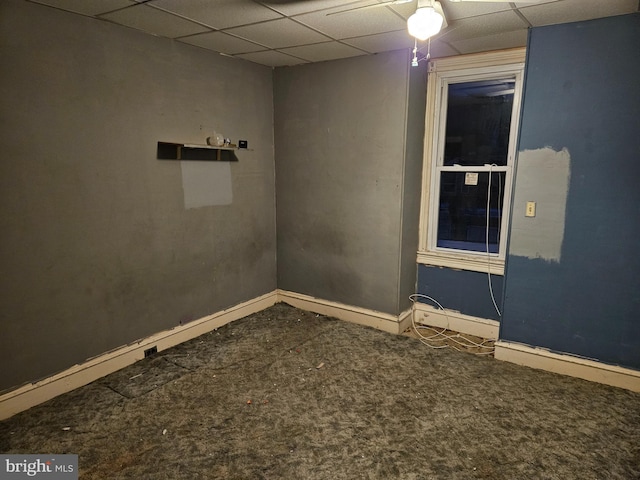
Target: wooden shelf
190 151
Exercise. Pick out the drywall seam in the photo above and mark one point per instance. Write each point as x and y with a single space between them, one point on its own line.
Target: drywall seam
542 177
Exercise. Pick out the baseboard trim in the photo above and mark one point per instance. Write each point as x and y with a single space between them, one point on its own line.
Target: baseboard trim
543 359
362 316
405 319
33 394
456 321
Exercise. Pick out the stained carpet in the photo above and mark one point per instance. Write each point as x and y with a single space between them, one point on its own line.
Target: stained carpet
288 394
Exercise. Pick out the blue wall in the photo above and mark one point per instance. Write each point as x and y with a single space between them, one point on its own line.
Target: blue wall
463 291
582 94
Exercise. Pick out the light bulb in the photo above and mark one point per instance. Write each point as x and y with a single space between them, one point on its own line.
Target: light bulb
425 23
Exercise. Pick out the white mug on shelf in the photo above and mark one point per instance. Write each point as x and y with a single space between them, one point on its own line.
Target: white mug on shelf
215 140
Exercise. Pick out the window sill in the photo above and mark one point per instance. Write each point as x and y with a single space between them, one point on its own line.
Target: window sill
474 263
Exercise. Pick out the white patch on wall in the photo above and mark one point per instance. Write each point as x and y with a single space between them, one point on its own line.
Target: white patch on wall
542 177
206 184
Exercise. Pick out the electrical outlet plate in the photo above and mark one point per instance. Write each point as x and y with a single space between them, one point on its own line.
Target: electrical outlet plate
530 210
150 351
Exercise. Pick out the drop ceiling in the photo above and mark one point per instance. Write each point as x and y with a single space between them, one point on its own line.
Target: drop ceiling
291 32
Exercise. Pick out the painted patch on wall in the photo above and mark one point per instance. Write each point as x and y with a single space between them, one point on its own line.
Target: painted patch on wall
206 184
542 177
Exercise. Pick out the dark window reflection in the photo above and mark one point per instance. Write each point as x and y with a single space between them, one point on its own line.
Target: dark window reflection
478 122
462 219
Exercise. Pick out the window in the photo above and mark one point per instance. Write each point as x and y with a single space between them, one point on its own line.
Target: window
472 121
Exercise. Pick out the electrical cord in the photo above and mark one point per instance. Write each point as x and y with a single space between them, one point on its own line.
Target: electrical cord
415 59
466 344
493 298
435 340
442 336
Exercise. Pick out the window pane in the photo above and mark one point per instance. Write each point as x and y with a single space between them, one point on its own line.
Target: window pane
478 122
462 217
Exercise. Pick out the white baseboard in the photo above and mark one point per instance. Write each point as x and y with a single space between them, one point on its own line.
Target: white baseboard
586 369
456 321
33 394
362 316
405 320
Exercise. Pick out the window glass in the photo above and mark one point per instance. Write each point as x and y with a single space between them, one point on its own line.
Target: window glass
462 216
478 122
471 127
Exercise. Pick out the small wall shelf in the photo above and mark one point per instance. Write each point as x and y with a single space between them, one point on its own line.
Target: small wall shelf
185 151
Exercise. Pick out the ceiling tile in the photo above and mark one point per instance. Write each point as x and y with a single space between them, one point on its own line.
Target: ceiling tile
87 7
296 7
279 34
406 9
457 10
383 42
254 29
323 51
528 4
271 58
513 39
439 49
576 10
218 13
152 20
483 26
221 42
354 24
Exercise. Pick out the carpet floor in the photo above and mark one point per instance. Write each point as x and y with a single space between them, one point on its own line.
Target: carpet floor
289 394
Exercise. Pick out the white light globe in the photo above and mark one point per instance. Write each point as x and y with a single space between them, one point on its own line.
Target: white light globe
425 23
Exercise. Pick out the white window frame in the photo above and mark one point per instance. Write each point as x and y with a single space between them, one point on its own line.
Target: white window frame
442 72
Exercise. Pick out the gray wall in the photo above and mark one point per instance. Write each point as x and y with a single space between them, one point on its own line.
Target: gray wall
412 187
572 282
343 177
101 243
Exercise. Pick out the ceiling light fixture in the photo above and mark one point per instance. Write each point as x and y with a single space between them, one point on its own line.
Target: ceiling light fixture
426 22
